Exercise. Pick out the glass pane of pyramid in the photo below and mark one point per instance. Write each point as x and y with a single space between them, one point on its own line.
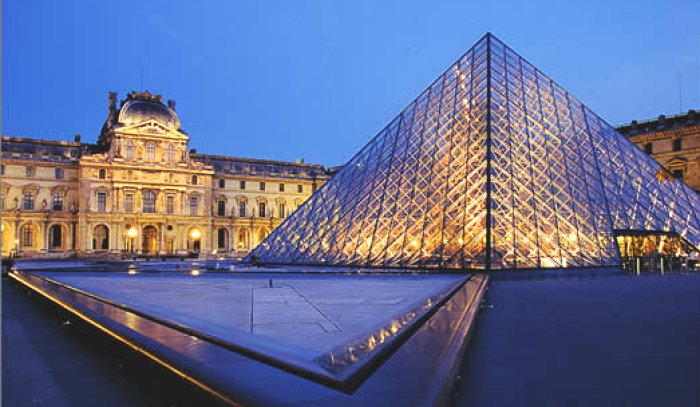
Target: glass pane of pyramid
493 166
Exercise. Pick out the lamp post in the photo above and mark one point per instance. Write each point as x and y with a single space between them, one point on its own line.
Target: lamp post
132 233
195 234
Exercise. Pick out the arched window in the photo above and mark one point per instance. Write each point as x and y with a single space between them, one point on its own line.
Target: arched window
170 156
129 150
28 202
55 237
149 201
243 239
102 174
150 151
27 235
194 180
222 239
100 238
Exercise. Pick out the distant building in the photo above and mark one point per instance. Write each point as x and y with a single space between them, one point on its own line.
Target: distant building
674 141
141 189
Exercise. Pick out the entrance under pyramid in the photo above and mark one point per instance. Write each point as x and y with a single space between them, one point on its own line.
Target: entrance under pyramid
494 166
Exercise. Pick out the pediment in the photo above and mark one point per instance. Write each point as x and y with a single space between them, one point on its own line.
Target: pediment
152 128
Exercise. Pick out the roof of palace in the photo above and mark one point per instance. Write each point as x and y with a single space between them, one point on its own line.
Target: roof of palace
661 123
71 151
142 106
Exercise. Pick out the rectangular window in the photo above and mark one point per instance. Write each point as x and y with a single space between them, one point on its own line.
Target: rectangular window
193 205
241 184
57 202
2 169
129 203
281 187
241 209
59 173
678 174
221 209
677 144
222 183
261 209
28 204
149 201
648 148
27 236
300 188
262 186
30 172
170 204
102 202
281 209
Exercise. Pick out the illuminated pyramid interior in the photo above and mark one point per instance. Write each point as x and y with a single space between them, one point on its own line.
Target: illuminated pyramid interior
494 166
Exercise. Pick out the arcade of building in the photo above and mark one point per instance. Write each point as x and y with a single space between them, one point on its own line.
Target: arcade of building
141 190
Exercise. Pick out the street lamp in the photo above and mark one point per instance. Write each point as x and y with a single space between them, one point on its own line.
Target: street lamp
195 234
132 233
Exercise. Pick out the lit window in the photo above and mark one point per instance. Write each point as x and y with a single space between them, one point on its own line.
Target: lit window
241 209
102 174
262 186
59 173
150 151
129 150
57 199
300 188
170 204
222 183
193 205
129 203
171 153
149 201
281 187
241 184
262 210
30 172
221 209
102 202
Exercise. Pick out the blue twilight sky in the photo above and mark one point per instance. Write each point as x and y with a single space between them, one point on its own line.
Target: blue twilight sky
317 79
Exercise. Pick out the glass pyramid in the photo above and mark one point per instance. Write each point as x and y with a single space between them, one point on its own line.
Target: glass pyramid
493 166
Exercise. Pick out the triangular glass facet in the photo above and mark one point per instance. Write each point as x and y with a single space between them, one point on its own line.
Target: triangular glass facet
493 166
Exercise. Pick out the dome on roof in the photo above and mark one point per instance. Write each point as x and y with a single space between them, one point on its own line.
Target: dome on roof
141 107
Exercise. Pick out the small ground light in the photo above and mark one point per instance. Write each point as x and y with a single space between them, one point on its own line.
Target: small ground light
194 272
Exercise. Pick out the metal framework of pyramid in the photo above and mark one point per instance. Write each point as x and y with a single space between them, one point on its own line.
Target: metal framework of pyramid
493 166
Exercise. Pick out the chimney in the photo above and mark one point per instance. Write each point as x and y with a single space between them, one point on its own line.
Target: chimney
112 107
76 138
171 104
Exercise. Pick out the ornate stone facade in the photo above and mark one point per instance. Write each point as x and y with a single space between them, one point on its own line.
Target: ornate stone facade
673 141
140 189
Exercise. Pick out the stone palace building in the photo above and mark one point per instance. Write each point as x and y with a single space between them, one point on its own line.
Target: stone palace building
673 141
140 189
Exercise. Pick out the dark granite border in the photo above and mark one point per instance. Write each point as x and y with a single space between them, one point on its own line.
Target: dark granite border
129 328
